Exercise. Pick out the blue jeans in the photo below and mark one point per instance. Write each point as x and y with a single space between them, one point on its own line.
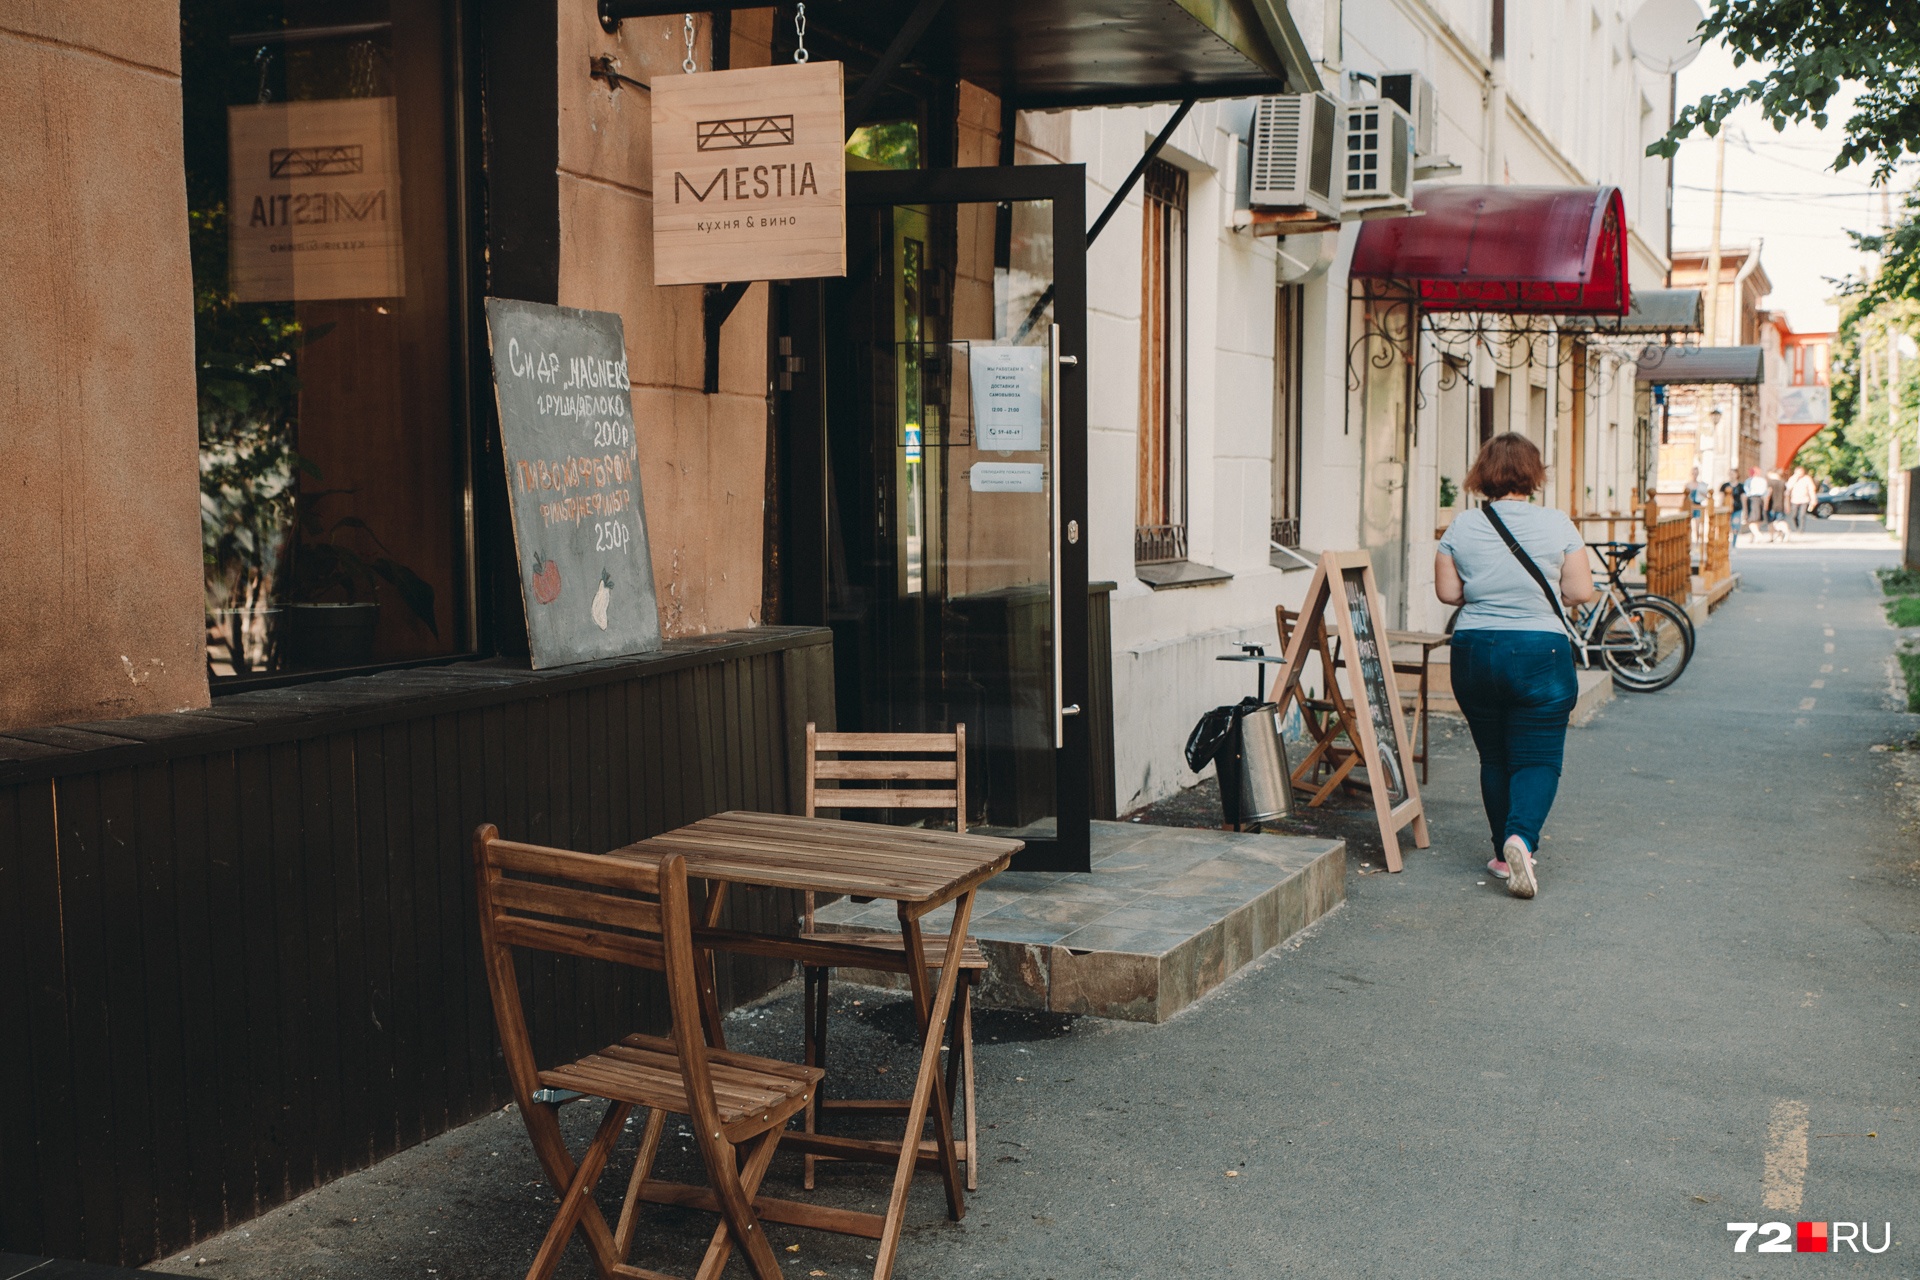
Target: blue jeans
1517 689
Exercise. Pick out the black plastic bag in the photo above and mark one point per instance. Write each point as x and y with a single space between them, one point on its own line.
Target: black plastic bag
1215 740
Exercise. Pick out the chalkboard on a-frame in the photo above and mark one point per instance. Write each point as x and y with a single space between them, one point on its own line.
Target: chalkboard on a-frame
573 482
1369 713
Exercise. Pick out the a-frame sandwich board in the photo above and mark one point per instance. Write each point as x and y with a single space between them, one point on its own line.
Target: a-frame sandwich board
1343 580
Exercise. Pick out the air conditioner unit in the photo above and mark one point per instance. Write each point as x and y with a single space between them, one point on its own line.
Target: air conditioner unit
1379 157
1414 93
1292 163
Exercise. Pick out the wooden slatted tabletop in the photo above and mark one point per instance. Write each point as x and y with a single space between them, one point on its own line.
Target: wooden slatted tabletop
920 871
830 855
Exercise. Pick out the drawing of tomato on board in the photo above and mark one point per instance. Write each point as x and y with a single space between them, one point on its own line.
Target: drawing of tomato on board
546 579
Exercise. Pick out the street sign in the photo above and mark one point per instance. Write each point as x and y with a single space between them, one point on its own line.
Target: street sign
749 175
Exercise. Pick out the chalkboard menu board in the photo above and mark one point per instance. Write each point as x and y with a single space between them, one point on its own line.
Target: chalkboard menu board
1376 689
573 481
1360 726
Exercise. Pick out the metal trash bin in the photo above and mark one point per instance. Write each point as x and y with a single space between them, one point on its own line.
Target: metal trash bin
1255 782
1266 783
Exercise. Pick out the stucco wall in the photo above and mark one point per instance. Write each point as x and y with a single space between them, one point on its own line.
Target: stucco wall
702 457
100 592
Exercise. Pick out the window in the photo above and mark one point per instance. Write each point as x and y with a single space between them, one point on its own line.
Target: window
1160 528
324 224
1285 531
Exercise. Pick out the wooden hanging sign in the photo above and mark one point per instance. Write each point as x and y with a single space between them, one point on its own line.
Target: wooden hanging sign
749 175
1368 716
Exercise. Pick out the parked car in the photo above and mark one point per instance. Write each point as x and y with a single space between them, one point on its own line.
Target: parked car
1864 496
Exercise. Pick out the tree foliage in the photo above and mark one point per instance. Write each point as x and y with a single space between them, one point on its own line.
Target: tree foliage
1814 49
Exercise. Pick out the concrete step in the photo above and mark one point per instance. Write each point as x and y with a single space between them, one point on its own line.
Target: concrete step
1167 915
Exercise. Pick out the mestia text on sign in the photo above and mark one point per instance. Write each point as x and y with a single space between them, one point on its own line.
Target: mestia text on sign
749 175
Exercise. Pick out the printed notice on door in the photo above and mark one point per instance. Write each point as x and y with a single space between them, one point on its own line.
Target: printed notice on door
1006 386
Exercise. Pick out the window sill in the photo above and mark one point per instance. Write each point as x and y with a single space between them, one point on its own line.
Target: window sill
1171 574
1291 559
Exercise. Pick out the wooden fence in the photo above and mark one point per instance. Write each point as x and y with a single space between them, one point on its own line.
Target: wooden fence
238 949
1669 553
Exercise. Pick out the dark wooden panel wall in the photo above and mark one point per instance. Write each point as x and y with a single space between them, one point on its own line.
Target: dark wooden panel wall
228 975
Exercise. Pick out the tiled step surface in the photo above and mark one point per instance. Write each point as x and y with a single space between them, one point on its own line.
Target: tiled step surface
1167 914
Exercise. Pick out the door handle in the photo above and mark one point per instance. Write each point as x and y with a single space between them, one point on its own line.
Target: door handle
1054 575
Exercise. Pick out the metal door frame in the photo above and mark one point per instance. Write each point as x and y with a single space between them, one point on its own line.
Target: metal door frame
1065 185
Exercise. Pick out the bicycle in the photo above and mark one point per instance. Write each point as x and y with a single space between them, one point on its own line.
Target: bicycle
1646 641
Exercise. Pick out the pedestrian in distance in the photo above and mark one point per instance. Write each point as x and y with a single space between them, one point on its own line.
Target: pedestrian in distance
1802 492
1756 503
1777 504
1511 564
1736 506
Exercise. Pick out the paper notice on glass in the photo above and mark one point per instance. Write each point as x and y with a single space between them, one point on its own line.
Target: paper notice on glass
1006 396
1007 477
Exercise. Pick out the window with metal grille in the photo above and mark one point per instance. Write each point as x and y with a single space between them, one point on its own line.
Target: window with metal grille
1160 530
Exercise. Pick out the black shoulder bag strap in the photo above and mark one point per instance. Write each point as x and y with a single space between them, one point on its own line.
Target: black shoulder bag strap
1526 562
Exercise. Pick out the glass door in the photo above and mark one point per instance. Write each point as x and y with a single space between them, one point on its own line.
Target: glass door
954 442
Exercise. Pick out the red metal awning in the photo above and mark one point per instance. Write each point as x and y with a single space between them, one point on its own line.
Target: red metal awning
1544 250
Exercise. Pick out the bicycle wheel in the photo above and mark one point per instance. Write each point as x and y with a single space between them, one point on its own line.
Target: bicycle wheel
1647 643
1686 619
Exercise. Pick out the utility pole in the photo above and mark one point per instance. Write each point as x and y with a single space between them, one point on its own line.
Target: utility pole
1713 243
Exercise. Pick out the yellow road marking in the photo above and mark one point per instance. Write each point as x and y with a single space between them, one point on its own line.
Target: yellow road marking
1783 1182
1806 704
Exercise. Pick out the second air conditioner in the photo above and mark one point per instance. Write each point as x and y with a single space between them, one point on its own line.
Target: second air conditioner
1377 161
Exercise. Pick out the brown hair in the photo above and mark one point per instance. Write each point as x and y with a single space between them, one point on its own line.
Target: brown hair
1508 466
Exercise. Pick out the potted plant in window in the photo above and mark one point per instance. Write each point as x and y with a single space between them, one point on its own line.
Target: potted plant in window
334 587
1449 506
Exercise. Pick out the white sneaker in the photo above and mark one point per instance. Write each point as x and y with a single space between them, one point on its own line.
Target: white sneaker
1522 881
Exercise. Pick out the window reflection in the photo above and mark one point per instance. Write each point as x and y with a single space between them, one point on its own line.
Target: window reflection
319 211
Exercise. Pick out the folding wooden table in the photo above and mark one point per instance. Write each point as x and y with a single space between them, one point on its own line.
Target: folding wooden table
920 871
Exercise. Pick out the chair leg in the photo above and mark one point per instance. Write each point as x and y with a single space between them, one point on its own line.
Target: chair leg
966 1070
579 1194
735 1188
815 1033
543 1131
642 1169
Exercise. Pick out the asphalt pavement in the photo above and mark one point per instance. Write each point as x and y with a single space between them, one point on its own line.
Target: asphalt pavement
1707 1016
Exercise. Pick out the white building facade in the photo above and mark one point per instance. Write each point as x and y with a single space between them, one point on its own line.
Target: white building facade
1240 403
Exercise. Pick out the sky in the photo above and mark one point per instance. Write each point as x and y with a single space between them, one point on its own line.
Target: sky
1779 188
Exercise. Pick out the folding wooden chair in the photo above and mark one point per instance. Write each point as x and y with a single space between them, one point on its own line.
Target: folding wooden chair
1328 719
865 774
574 904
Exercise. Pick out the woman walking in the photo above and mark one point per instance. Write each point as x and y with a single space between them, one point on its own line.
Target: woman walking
1512 660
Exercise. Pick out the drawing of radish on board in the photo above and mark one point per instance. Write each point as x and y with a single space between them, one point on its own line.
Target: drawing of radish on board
546 579
600 599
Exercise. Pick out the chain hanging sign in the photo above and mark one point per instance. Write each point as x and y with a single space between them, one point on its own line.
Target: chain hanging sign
749 175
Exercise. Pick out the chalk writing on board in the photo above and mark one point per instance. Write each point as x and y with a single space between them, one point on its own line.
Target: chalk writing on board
1375 688
572 463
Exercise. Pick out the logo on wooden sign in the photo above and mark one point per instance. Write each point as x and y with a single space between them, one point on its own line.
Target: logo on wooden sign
749 175
314 210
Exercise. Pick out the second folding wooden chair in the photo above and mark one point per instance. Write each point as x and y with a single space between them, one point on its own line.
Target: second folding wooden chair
867 771
630 912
